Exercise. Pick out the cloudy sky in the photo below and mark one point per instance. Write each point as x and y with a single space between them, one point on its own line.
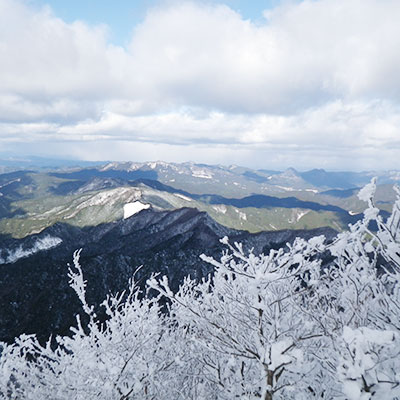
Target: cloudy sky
266 84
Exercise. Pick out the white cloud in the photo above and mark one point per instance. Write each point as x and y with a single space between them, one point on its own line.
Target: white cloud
303 55
316 77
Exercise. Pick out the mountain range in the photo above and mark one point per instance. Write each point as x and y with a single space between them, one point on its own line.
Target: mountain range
136 219
236 197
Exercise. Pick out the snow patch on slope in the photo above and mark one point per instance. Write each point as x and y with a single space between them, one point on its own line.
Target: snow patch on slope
201 173
45 243
183 197
242 215
287 189
220 208
133 208
297 215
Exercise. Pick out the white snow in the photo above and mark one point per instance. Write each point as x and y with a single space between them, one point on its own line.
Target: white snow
242 215
297 215
280 354
10 182
45 243
220 208
353 212
368 191
201 173
183 197
106 197
133 208
301 214
134 167
288 189
109 166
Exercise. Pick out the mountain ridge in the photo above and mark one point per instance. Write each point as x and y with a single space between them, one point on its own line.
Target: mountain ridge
34 293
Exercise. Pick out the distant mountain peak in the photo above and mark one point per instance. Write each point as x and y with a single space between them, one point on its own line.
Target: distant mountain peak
291 171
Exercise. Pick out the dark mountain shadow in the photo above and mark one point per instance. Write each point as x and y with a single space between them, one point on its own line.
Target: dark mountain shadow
65 188
10 184
7 211
337 180
255 177
263 201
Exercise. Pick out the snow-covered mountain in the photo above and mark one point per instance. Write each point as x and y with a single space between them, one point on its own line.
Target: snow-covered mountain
234 196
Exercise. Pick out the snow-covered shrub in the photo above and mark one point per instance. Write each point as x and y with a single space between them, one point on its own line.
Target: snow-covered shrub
358 302
129 356
248 322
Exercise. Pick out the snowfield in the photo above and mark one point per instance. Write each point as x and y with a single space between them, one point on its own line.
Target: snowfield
133 208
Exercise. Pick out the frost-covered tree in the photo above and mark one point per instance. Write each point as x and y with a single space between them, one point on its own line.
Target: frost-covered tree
248 321
129 356
357 301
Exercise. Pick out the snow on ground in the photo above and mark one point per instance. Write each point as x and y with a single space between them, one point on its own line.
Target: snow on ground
107 197
242 215
104 198
297 215
287 189
45 243
301 214
133 208
353 212
201 173
220 208
10 182
109 166
183 197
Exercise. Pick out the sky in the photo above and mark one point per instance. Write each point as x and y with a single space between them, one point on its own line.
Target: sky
266 84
